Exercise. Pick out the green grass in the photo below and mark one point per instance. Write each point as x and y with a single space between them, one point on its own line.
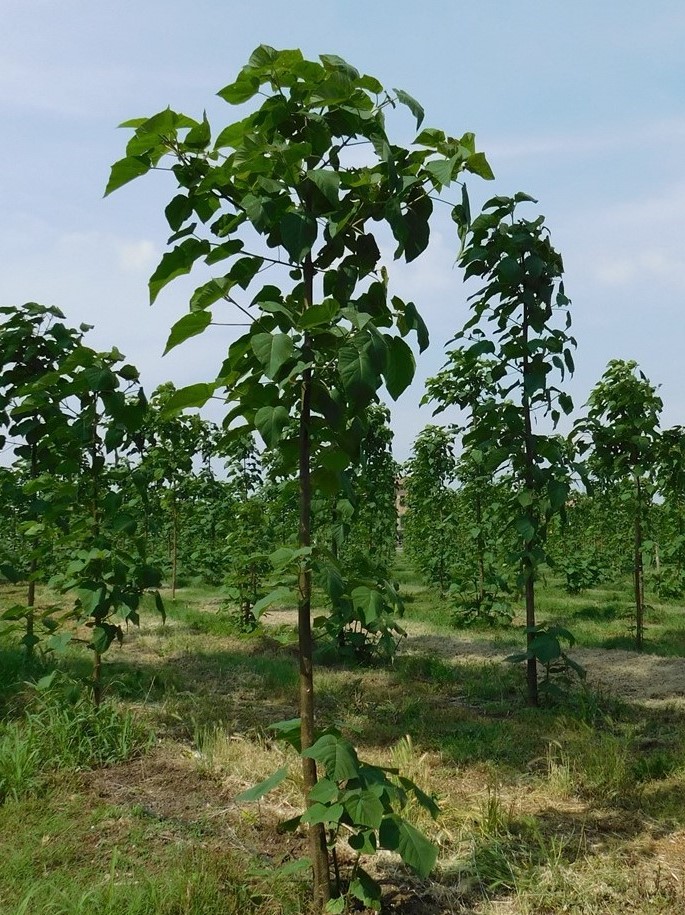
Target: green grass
64 856
542 808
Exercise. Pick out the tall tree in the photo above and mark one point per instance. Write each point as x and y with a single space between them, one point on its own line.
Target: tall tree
520 318
280 190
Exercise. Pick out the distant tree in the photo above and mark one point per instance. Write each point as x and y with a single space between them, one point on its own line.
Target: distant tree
622 430
520 320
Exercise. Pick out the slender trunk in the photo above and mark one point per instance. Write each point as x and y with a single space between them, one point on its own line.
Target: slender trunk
318 851
528 567
480 548
95 528
638 573
174 544
33 568
97 679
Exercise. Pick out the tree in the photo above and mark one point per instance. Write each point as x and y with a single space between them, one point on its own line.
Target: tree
525 310
429 528
279 190
671 485
34 347
622 428
464 382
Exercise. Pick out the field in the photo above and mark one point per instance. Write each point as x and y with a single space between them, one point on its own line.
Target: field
574 807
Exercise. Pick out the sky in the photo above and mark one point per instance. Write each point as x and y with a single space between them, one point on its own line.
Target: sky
581 105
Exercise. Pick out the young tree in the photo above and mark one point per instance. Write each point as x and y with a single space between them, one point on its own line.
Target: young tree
520 319
279 190
671 485
622 428
34 347
465 382
429 528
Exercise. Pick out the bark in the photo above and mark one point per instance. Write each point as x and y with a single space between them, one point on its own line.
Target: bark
528 569
318 851
638 573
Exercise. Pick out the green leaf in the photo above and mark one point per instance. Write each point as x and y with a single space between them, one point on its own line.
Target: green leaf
194 395
324 791
273 597
126 170
298 234
322 313
400 367
441 170
273 351
176 263
366 889
357 369
364 808
335 906
478 165
337 755
198 137
288 730
242 90
327 181
270 423
264 787
546 648
415 849
322 813
405 99
189 325
369 601
210 292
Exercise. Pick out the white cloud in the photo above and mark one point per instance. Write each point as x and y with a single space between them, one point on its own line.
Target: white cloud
136 256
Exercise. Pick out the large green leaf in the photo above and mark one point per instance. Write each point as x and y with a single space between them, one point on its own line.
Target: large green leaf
327 181
126 170
270 423
415 849
189 325
366 889
298 234
369 601
273 351
261 788
176 263
400 367
337 755
357 368
322 813
364 808
194 395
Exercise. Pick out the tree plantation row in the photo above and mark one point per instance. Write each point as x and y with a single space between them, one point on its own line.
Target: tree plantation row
113 493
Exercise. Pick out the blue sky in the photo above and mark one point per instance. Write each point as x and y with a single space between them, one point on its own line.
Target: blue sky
580 104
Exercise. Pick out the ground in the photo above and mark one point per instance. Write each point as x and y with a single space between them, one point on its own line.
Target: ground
578 807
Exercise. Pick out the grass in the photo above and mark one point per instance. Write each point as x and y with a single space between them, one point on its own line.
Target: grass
578 806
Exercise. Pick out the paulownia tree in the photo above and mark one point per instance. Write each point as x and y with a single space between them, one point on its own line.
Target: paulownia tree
520 319
293 188
622 428
34 346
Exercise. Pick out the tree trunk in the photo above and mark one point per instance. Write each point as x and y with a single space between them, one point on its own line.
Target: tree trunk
528 568
318 851
638 573
174 545
33 568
